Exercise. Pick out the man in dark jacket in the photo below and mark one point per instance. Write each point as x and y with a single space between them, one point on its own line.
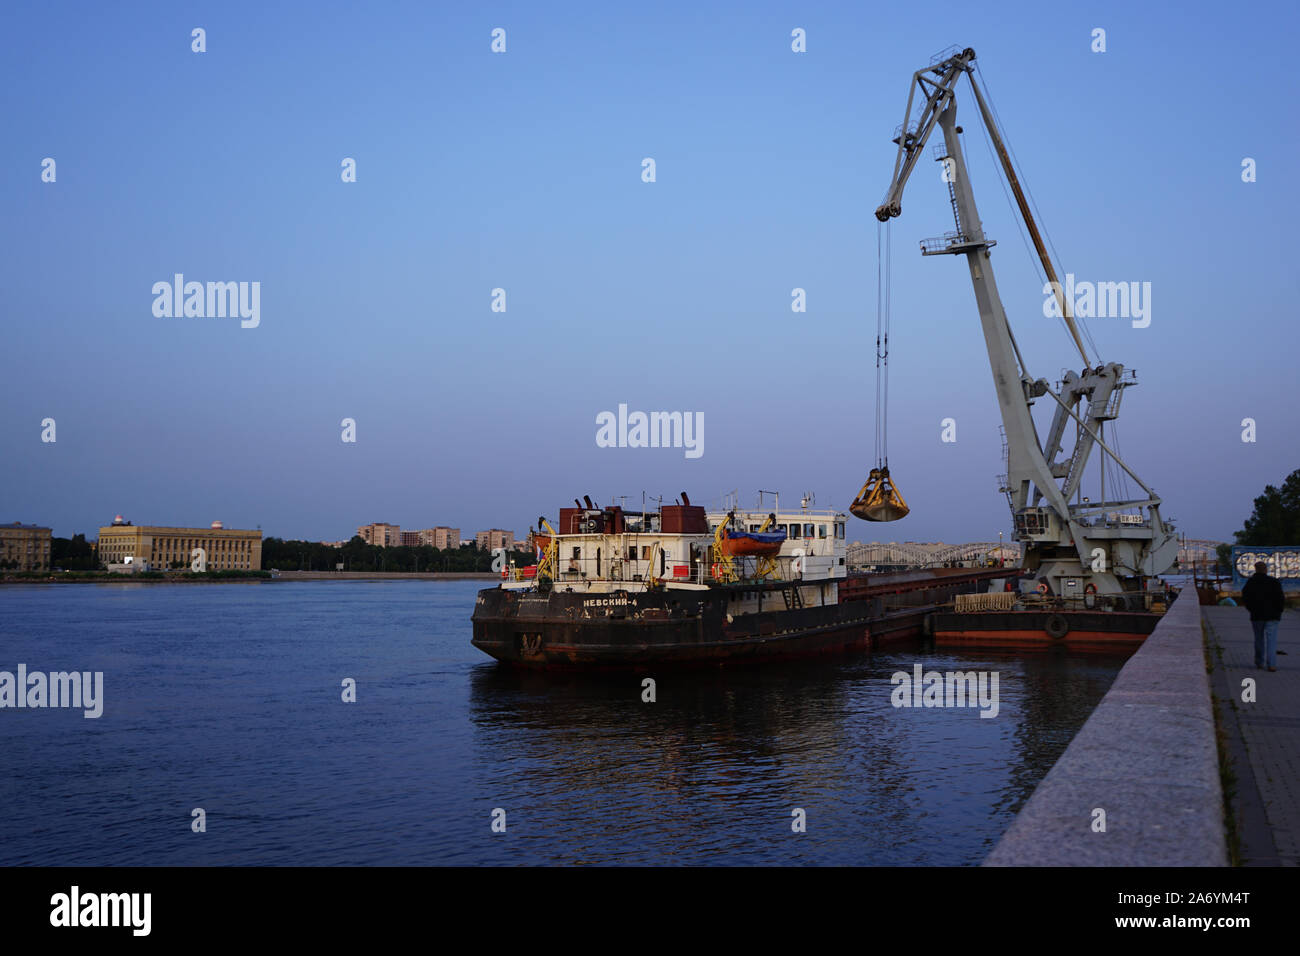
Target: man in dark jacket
1263 597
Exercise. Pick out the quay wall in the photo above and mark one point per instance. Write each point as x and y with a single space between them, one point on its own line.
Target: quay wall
1147 757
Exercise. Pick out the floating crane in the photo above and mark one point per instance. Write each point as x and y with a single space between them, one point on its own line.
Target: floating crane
1074 547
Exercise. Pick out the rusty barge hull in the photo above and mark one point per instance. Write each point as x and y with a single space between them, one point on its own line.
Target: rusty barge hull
565 630
1093 631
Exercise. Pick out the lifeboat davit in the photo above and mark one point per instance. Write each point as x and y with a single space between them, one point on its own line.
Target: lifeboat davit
748 544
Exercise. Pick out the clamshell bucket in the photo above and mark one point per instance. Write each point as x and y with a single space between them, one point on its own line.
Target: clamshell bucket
879 500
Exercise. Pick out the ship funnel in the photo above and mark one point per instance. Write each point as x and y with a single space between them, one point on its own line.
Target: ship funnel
590 506
686 501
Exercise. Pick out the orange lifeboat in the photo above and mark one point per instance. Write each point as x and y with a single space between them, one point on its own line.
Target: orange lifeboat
750 544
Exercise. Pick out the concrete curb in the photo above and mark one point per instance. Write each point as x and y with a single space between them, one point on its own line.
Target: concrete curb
1147 756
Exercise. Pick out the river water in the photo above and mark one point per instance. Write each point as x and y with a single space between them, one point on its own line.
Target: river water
228 697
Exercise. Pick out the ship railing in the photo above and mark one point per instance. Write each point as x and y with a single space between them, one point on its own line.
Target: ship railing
589 569
1125 601
626 570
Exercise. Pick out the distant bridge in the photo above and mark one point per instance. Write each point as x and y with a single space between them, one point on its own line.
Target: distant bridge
913 555
1194 551
1198 552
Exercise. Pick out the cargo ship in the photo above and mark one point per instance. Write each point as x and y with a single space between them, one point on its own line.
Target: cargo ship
680 585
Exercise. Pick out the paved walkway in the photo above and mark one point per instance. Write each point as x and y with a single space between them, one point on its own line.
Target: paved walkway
1268 788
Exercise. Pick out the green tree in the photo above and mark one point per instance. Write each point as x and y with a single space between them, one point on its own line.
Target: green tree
293 555
1224 554
73 554
1276 518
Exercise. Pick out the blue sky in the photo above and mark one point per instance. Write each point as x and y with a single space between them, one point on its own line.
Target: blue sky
522 171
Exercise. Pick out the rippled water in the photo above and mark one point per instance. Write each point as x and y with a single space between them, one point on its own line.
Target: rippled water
228 697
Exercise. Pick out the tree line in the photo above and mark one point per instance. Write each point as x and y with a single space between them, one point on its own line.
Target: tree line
356 555
76 554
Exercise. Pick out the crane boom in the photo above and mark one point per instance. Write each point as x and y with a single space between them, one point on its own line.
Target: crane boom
910 145
1071 544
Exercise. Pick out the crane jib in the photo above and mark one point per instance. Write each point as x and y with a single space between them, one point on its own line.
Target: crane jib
1112 542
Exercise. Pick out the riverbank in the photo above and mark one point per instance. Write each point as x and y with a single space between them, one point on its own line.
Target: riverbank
386 576
217 577
147 577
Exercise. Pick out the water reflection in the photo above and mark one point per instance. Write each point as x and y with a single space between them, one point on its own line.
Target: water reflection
711 771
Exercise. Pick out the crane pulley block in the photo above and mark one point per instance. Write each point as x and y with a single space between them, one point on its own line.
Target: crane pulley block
879 499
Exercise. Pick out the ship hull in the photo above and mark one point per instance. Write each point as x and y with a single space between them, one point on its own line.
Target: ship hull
1076 630
669 627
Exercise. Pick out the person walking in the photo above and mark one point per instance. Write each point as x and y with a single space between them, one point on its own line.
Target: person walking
1263 597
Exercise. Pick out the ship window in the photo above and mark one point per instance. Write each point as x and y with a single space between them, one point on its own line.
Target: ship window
792 531
839 529
577 553
821 531
807 531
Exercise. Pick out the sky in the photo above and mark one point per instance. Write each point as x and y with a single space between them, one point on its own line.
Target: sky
523 171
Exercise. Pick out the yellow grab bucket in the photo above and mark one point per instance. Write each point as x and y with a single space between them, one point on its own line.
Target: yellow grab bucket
879 500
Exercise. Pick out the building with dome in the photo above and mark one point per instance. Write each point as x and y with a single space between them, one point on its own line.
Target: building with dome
124 546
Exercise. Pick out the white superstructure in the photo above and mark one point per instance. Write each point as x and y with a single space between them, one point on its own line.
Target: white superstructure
608 549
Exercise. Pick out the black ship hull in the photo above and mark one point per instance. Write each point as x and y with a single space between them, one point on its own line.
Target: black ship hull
696 627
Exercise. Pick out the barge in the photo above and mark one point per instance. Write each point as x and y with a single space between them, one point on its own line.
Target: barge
625 589
1026 618
1073 629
